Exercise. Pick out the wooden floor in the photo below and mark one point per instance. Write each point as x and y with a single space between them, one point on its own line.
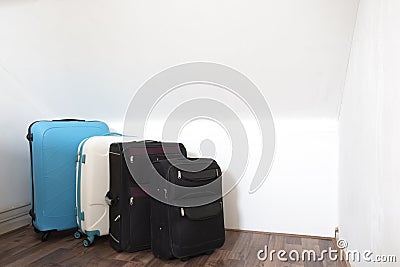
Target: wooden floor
23 247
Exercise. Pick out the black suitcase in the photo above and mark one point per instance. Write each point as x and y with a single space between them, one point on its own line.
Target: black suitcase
129 204
188 230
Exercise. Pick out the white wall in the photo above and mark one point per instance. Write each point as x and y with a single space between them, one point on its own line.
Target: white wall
300 194
369 133
56 56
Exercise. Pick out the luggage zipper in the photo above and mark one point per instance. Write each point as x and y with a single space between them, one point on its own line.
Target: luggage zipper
208 178
116 240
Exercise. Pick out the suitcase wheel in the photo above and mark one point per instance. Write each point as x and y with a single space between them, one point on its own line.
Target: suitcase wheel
88 241
77 235
36 230
45 236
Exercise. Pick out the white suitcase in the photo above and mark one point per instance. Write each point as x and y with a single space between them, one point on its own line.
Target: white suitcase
92 185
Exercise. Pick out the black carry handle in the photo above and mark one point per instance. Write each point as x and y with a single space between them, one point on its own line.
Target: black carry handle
69 120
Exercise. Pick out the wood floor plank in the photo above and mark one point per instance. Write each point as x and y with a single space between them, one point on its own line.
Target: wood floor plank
296 264
28 255
166 263
241 248
197 261
231 238
139 258
24 248
218 258
258 242
313 264
293 240
55 257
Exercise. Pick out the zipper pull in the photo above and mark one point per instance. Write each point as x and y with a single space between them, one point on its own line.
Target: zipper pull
179 175
165 193
131 201
117 218
182 212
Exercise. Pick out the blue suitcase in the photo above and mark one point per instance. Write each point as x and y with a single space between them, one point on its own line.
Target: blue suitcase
53 146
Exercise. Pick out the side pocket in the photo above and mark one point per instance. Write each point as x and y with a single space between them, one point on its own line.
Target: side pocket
115 232
139 215
160 238
113 198
115 223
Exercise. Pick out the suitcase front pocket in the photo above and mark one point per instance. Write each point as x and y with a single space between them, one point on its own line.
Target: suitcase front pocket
203 176
203 212
195 230
187 178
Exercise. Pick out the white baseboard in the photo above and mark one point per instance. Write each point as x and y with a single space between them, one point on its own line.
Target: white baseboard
14 218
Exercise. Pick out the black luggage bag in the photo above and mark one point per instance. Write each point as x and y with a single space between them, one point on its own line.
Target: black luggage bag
129 205
194 223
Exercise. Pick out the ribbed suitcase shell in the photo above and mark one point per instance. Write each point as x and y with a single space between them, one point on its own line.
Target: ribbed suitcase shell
53 160
92 185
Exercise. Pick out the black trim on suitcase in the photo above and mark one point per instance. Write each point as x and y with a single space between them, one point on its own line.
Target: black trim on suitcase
29 137
45 234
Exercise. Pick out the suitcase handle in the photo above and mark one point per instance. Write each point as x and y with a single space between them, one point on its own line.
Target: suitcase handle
69 120
109 200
